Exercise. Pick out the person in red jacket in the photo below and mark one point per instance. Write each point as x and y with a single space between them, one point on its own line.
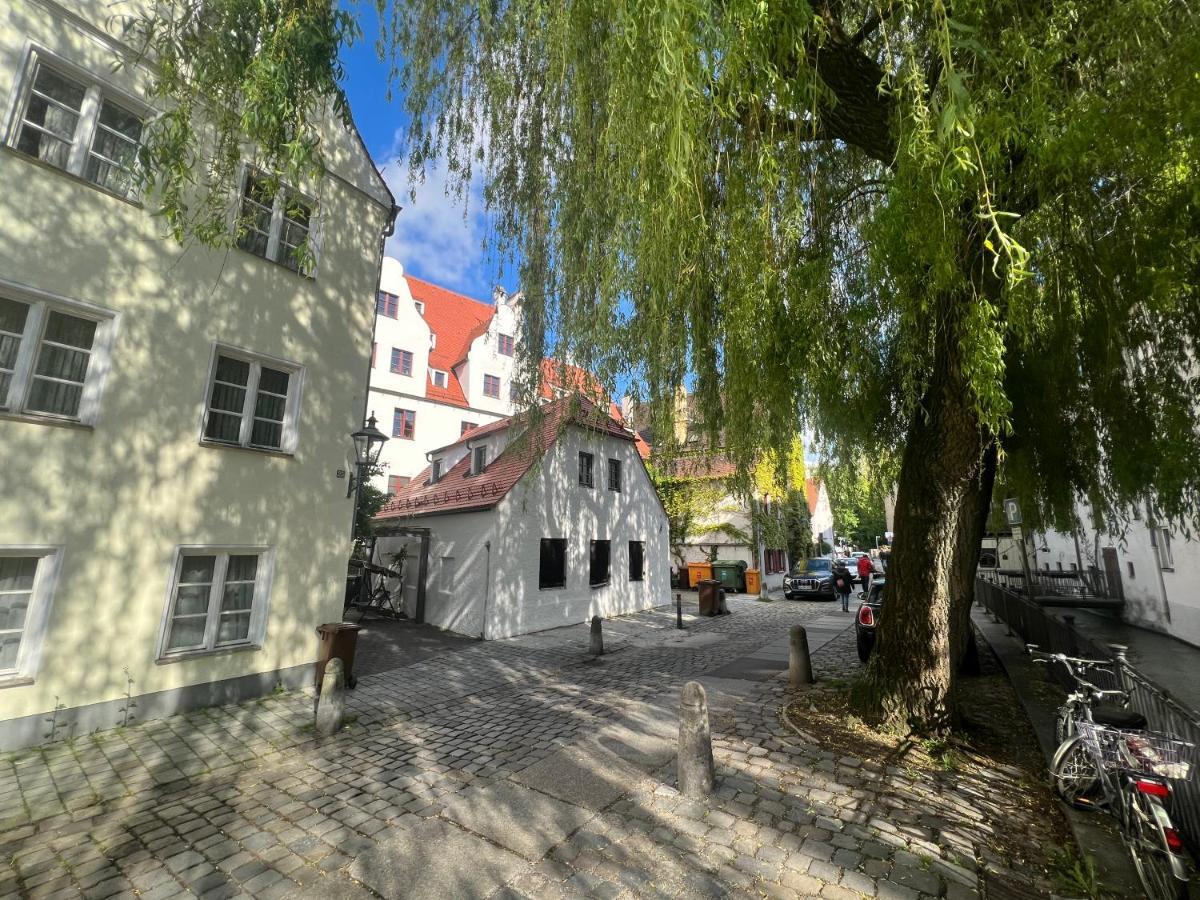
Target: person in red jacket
865 571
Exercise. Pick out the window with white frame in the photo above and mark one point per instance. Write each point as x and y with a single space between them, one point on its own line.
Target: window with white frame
491 386
1160 540
53 355
253 402
27 576
218 599
73 123
438 377
276 223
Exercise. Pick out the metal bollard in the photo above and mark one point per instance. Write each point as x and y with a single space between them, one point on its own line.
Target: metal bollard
695 762
799 664
679 611
596 647
331 705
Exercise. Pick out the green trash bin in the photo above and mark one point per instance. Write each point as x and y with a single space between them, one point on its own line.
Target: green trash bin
731 574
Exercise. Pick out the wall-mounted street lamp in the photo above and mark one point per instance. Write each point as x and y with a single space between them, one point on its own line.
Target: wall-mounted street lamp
368 444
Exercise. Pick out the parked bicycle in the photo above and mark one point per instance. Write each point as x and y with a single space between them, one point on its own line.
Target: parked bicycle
1108 760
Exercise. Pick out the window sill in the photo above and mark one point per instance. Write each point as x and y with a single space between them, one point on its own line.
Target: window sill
185 655
600 584
71 176
306 276
53 421
219 445
12 681
552 587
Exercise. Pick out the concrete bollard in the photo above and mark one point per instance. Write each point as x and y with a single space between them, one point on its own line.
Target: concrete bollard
331 705
679 611
799 664
695 762
597 645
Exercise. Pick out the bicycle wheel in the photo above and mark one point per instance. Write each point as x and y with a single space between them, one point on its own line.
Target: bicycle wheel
1074 771
1064 726
1153 861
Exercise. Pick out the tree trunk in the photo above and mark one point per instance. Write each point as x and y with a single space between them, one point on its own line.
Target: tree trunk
911 677
973 516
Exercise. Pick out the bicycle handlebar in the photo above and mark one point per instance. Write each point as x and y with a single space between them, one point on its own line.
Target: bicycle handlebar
1076 666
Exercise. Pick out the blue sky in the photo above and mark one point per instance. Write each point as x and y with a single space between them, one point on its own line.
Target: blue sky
433 239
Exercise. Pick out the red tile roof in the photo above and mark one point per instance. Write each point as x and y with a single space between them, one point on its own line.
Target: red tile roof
703 467
456 320
460 491
558 374
812 493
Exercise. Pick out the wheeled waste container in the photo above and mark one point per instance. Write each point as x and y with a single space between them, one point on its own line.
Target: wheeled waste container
731 574
699 571
338 640
753 582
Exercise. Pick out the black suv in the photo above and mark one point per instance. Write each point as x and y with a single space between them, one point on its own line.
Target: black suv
811 580
868 618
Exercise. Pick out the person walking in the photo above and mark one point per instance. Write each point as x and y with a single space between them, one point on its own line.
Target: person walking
865 570
843 583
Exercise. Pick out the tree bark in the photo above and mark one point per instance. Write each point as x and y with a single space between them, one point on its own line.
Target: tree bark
911 678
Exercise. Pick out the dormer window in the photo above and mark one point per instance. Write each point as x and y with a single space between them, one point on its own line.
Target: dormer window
438 377
505 344
478 460
432 340
420 307
435 472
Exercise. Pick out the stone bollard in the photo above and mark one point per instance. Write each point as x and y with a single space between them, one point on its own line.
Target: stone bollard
597 645
679 611
695 762
331 705
799 664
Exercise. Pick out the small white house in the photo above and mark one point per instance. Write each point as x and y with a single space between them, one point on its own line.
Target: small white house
532 525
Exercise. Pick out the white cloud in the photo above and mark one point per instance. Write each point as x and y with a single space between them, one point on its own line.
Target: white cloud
438 235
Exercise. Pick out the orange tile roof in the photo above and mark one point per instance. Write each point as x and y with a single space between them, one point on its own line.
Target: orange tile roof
459 491
457 320
703 467
812 493
558 374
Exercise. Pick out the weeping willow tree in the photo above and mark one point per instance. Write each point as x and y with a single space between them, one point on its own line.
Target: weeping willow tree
962 234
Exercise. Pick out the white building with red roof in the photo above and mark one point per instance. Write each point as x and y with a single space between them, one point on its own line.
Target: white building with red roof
532 523
443 363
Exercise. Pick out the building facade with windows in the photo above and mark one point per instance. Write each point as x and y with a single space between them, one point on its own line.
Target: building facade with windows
533 524
443 363
172 420
1153 566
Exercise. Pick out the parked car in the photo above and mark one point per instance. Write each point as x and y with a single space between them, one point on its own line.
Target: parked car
867 619
811 580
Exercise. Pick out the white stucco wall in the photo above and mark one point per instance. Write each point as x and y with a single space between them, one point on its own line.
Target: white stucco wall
437 423
549 502
1161 597
120 496
458 575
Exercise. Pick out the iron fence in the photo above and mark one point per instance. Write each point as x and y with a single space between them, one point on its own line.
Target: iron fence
1163 713
1089 582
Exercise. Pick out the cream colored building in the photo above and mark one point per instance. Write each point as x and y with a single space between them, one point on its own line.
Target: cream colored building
172 422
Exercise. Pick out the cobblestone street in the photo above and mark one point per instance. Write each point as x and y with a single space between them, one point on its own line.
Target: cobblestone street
520 768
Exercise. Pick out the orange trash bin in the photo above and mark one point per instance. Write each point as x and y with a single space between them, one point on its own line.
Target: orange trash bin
753 583
697 572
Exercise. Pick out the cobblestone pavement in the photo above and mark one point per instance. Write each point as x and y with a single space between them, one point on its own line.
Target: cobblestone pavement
519 768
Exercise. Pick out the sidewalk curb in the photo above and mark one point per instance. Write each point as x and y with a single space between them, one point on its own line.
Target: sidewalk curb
1093 833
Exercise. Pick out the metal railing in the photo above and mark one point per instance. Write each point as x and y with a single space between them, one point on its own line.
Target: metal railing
1089 582
1163 713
